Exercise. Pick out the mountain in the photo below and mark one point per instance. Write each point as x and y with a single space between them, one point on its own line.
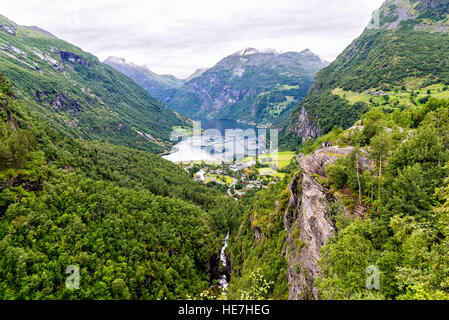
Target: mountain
253 86
74 92
196 74
159 86
400 57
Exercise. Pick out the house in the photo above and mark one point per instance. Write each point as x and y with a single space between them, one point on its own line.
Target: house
200 176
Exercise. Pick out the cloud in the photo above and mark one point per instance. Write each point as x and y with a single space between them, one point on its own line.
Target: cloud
177 37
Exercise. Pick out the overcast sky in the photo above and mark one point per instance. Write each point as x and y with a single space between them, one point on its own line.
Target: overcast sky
178 36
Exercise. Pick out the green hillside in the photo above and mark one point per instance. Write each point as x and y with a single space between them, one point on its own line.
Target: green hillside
73 91
387 199
407 55
405 192
135 224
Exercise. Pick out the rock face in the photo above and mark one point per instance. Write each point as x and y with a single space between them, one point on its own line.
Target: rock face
73 58
309 215
396 11
8 28
304 127
65 103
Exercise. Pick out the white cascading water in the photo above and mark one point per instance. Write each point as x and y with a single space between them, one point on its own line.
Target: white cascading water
224 281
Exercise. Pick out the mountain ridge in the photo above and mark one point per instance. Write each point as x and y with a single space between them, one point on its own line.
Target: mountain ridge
253 86
75 92
159 86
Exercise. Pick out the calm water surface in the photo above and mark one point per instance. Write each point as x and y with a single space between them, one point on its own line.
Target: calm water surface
214 145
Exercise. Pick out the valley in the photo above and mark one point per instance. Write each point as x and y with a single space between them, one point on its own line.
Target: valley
268 83
268 176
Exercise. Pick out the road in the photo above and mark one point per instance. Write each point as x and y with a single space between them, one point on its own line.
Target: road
234 181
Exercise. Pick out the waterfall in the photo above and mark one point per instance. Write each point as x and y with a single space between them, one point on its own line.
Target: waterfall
223 280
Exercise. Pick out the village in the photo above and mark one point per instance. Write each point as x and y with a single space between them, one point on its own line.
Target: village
239 177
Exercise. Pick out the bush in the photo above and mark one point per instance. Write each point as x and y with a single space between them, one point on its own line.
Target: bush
337 174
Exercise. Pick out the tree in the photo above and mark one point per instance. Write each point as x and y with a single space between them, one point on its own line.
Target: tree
380 148
357 140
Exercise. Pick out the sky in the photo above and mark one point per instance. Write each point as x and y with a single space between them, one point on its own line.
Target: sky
178 36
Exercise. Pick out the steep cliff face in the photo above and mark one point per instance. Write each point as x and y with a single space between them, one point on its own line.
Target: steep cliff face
304 127
308 223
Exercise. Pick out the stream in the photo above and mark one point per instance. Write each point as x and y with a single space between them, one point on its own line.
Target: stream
223 281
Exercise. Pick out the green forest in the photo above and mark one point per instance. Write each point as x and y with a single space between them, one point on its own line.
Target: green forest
136 225
405 234
83 184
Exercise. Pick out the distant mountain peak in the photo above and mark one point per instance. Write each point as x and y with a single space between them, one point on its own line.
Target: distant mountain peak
116 60
198 72
159 86
250 51
307 52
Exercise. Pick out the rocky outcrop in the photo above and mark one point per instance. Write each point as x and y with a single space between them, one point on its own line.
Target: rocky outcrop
304 127
9 29
65 103
308 222
394 12
22 181
73 58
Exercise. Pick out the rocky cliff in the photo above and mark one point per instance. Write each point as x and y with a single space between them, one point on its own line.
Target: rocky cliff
307 221
304 127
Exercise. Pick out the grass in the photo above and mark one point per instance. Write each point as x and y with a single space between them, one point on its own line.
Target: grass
287 87
224 179
271 172
397 98
284 159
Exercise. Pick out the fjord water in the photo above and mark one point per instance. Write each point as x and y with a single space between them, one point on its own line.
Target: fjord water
209 147
221 125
